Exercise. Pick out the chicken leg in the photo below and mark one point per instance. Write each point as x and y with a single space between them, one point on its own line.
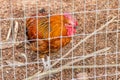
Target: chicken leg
46 63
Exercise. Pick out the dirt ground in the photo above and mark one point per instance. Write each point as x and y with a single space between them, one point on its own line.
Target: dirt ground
91 14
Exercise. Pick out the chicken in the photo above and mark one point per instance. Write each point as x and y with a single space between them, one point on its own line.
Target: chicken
48 34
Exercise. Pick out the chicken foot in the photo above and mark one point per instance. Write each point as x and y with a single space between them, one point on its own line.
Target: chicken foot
46 63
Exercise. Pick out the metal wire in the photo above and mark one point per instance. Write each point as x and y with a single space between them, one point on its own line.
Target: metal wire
84 34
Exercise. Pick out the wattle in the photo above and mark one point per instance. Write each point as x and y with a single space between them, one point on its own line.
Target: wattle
70 31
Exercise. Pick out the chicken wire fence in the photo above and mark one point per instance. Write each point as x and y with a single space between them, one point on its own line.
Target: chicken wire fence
92 54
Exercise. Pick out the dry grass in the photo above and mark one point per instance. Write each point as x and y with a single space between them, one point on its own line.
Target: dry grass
83 45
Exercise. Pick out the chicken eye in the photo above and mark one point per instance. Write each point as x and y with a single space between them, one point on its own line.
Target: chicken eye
69 23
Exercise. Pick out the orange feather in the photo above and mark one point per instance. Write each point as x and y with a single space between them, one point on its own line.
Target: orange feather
41 28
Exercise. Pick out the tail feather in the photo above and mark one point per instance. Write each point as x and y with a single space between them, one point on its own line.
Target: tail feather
42 10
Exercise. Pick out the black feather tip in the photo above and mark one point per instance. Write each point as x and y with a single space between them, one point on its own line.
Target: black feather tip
42 10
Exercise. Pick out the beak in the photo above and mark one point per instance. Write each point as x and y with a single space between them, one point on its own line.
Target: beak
75 27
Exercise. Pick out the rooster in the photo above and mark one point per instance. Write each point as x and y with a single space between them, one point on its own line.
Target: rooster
51 32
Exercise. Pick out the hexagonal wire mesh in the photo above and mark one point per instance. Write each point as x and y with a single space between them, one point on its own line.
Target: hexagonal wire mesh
91 54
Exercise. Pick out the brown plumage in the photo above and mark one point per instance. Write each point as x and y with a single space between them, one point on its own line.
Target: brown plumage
40 28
